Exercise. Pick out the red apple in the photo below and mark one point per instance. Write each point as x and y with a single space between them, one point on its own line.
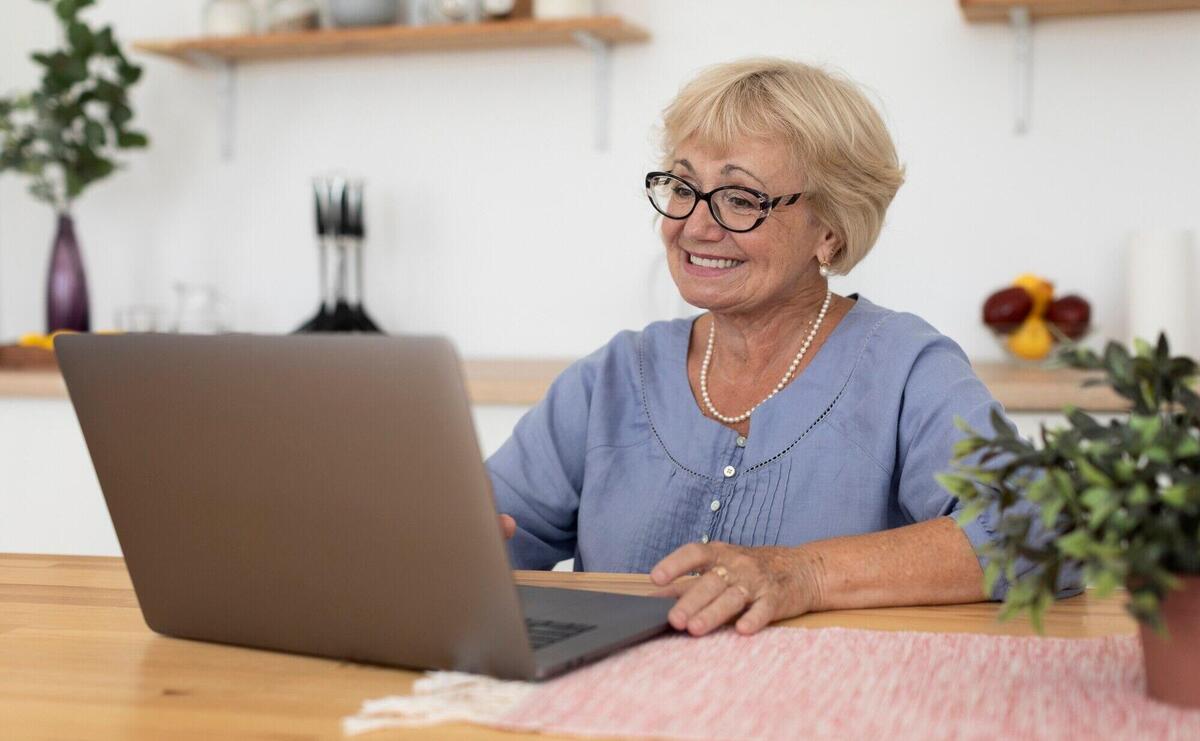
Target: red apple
1071 315
1005 309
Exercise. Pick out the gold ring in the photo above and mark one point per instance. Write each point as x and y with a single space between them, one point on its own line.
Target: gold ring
722 572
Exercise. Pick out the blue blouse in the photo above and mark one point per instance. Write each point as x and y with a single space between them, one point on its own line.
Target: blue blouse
617 466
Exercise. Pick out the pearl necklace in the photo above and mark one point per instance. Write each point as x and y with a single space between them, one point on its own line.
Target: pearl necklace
778 387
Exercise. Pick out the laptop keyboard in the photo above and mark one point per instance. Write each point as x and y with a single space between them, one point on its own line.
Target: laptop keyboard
542 633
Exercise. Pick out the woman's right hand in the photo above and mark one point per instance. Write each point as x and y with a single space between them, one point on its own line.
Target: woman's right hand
508 526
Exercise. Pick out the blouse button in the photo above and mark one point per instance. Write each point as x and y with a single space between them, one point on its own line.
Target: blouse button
730 471
704 538
716 505
741 441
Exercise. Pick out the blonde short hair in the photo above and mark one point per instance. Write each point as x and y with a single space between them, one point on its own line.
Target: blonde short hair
835 134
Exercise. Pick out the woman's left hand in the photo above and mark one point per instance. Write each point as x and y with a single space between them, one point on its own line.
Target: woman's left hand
761 585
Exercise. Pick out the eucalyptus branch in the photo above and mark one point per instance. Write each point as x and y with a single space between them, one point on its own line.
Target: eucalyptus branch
64 134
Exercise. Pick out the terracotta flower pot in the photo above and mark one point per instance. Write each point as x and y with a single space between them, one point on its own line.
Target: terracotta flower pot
1171 662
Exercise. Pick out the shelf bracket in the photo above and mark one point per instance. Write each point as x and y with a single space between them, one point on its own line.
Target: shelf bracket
1020 22
601 81
226 98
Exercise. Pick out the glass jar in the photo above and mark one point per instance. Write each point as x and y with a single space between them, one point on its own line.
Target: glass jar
229 18
286 16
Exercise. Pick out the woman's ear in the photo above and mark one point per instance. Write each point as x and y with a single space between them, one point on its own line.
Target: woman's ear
830 246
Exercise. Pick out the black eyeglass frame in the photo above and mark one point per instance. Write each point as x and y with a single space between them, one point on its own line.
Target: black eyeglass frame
766 204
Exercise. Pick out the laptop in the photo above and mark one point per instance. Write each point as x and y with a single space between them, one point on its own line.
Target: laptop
322 495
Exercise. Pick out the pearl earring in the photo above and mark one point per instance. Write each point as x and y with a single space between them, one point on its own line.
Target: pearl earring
824 270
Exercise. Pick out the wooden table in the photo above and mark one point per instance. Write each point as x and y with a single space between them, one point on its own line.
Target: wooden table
78 662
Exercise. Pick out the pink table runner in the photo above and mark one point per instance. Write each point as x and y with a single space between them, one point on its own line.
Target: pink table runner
831 683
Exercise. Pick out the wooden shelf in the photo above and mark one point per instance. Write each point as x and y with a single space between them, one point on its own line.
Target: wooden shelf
396 39
597 35
1020 14
998 10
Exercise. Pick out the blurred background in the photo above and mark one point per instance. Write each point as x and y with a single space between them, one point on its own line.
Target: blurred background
493 217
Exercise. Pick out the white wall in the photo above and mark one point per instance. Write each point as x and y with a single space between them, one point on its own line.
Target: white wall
494 221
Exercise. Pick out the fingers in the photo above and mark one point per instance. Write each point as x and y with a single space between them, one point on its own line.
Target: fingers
683 560
719 611
699 593
756 618
508 526
675 588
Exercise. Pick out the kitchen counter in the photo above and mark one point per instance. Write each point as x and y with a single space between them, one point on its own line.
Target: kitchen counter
519 382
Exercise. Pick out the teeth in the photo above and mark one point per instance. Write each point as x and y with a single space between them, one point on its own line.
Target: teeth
706 263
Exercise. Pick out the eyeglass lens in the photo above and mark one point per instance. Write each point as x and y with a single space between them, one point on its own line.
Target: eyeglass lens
733 208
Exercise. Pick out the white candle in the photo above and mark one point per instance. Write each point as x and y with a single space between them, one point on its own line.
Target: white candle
228 18
1161 289
563 8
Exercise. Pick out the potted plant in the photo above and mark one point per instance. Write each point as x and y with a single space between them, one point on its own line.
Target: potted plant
1121 500
63 136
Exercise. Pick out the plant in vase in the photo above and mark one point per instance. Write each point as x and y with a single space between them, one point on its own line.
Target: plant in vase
63 136
1121 500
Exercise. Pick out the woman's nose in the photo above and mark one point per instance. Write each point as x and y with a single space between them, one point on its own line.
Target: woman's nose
702 225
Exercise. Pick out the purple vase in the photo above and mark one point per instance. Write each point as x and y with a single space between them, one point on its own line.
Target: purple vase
66 291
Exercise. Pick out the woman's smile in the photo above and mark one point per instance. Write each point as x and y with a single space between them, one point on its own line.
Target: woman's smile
708 266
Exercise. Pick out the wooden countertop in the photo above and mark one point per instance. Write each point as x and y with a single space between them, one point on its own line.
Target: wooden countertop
523 382
80 663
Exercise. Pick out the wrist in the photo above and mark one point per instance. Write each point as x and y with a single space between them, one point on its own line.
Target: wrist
810 578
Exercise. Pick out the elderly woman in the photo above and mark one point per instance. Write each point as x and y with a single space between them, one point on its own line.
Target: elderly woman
783 444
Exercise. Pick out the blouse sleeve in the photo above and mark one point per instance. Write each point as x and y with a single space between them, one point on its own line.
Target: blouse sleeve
537 475
941 385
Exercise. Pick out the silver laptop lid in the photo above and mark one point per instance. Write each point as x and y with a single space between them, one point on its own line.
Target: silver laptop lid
316 494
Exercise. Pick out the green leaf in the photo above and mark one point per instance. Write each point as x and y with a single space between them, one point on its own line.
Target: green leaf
1102 502
1175 495
108 92
965 447
991 574
1187 447
94 133
1062 481
129 73
1142 348
1106 581
1050 512
68 9
1158 454
120 114
1035 616
1163 351
1139 495
1124 469
1093 475
969 512
104 42
75 183
1116 359
999 424
80 38
1147 426
128 139
1076 544
1147 395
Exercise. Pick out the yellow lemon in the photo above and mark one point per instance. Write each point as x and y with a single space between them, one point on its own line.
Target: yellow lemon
1040 290
34 339
1032 340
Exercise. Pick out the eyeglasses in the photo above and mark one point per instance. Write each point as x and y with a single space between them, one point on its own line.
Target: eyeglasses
734 207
